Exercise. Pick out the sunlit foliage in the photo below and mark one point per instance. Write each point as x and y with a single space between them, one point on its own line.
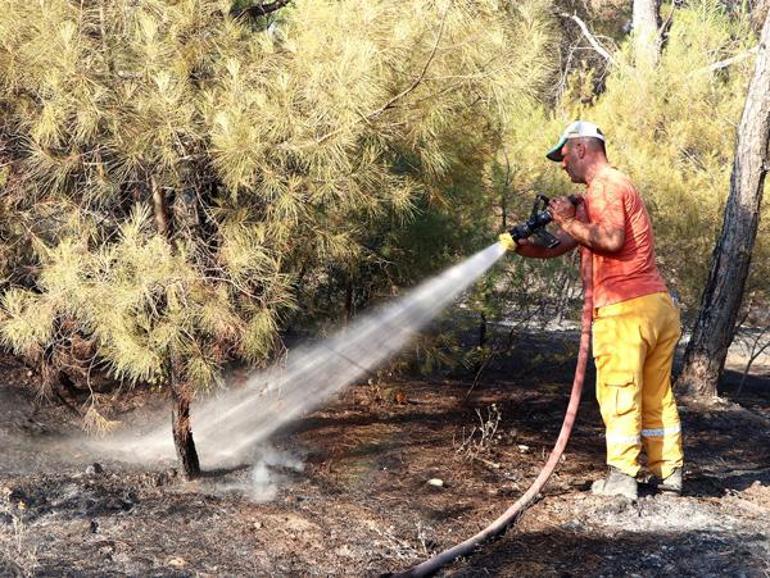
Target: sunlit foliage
184 180
672 129
177 182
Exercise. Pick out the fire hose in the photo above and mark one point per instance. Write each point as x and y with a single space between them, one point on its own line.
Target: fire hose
512 514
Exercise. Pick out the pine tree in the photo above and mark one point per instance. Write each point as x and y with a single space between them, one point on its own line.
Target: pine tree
182 171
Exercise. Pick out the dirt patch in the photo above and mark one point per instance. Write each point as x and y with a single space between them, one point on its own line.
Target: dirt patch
367 498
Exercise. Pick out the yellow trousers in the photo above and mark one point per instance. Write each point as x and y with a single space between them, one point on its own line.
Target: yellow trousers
633 347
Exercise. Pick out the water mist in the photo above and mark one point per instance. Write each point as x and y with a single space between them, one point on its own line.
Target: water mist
228 427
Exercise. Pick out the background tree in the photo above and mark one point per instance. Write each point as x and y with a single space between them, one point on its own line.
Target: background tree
715 327
646 22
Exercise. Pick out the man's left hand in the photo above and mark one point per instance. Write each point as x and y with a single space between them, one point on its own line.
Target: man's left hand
562 210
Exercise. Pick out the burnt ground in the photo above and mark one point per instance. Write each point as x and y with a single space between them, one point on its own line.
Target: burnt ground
361 505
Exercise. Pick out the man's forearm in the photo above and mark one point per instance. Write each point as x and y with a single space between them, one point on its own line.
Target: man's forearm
537 252
593 235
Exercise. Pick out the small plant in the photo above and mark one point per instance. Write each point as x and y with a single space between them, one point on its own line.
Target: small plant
754 342
16 553
481 437
405 549
95 423
426 535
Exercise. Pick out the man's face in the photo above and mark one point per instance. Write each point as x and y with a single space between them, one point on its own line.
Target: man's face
571 161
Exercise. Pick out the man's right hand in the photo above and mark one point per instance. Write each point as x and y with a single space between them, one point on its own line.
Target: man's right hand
562 210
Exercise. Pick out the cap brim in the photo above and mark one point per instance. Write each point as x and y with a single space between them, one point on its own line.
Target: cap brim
555 153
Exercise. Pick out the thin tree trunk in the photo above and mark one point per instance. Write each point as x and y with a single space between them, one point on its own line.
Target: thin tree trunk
186 219
185 214
159 209
186 223
715 327
646 22
504 192
349 294
180 423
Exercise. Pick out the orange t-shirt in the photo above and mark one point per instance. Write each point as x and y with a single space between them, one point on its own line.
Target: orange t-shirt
612 199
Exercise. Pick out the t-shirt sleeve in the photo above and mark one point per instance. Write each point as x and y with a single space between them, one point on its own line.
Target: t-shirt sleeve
607 205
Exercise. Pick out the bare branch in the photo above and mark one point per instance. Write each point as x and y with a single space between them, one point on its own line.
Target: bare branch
727 61
160 208
421 77
261 9
603 52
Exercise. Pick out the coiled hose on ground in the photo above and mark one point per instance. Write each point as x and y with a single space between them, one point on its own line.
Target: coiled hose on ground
510 516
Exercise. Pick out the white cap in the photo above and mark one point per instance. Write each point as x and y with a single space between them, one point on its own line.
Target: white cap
577 129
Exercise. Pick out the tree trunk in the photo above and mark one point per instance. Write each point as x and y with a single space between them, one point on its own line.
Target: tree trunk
504 192
349 303
180 423
185 216
186 219
483 330
715 328
646 33
160 209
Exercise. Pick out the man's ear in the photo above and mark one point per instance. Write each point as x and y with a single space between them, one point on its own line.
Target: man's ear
580 150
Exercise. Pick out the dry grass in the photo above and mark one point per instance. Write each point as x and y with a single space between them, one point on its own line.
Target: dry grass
17 554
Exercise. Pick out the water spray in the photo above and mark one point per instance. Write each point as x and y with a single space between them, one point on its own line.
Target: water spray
535 225
227 428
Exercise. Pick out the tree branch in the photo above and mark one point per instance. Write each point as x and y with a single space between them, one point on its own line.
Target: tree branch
261 9
160 209
590 37
420 78
727 61
415 83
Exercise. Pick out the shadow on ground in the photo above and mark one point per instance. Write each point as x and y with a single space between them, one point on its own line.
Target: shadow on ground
563 554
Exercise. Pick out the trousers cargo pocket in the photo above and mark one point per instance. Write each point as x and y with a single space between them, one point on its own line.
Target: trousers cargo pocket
623 392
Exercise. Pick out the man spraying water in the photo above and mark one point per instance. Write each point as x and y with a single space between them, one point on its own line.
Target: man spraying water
636 324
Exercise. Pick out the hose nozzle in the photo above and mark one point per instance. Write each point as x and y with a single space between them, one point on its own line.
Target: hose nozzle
506 240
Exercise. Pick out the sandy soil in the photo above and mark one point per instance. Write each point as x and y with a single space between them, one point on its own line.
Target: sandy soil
361 503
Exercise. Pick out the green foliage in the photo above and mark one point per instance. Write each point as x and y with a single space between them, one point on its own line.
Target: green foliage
189 178
138 299
672 129
179 183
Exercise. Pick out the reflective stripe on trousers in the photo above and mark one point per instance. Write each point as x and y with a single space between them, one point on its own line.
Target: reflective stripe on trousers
661 432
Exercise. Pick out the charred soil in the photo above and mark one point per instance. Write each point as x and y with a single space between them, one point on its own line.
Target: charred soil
391 474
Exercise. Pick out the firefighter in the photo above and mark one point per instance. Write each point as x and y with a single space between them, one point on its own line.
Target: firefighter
636 324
